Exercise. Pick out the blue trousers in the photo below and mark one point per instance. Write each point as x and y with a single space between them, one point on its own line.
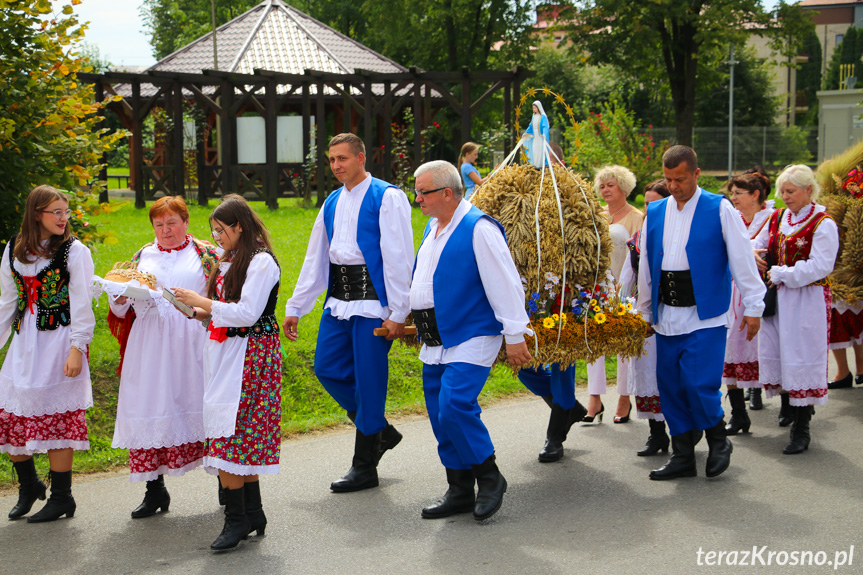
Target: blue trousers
551 380
353 366
451 392
689 376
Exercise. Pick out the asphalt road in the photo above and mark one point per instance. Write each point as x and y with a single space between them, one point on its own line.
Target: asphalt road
593 512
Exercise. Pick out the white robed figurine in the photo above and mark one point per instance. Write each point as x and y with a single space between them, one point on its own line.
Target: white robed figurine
536 136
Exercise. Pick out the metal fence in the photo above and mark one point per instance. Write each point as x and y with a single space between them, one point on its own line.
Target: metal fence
773 147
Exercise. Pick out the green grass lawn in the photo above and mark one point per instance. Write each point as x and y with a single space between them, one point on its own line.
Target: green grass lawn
305 404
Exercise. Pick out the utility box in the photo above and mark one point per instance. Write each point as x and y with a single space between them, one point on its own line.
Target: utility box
840 121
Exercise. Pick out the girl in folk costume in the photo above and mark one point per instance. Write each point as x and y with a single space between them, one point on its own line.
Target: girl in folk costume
160 403
242 366
749 195
45 280
641 378
799 247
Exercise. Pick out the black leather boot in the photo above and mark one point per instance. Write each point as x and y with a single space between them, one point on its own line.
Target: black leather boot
221 491
254 508
491 486
720 448
30 488
156 497
799 431
236 527
459 498
559 423
739 418
61 501
682 461
786 412
390 436
755 401
363 473
657 441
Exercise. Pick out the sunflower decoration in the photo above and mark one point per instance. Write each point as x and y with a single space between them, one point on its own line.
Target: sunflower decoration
841 179
561 247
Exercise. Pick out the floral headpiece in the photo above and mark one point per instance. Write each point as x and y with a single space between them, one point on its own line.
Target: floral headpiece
852 183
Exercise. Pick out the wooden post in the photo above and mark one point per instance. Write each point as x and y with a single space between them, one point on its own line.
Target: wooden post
321 120
136 151
271 127
179 175
347 111
201 158
226 136
465 105
418 124
368 123
388 132
99 90
507 117
307 139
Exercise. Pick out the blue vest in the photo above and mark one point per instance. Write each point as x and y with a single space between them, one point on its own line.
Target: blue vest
368 231
461 306
705 250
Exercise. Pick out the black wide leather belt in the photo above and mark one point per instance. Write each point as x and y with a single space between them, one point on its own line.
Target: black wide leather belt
427 330
351 283
675 288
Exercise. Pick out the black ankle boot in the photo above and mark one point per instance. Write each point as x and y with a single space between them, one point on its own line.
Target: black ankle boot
720 448
363 473
254 508
459 498
390 437
491 486
682 461
555 435
657 441
155 498
786 412
799 431
221 491
236 526
755 402
30 488
739 418
61 501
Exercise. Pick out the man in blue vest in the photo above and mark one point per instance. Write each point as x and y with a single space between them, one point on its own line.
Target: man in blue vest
692 244
361 253
466 296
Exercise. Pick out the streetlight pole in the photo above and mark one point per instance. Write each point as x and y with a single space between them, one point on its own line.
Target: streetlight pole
731 62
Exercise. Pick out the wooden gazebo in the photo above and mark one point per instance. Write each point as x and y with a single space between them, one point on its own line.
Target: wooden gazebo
282 61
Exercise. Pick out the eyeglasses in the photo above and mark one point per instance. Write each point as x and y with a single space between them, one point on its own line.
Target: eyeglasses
419 193
58 213
217 235
743 193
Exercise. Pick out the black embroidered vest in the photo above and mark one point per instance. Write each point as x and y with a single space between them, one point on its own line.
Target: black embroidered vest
267 324
52 303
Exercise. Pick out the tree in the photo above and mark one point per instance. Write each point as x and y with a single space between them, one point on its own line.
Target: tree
809 79
672 36
849 51
49 122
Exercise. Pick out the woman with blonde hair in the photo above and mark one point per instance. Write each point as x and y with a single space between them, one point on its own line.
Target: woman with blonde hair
45 282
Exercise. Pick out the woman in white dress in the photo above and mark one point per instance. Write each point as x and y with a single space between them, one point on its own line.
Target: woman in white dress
536 136
798 248
614 184
161 398
749 195
242 366
45 280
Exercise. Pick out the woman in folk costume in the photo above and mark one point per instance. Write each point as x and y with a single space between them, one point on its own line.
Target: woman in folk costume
614 184
641 376
45 281
798 247
749 195
242 366
536 136
160 402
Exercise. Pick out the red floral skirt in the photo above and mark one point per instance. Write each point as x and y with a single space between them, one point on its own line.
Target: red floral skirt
26 435
255 446
846 329
746 374
148 464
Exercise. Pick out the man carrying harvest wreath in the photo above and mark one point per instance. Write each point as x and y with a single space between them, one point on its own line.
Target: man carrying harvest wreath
466 296
692 243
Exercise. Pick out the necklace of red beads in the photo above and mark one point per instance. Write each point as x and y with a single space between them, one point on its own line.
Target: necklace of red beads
804 218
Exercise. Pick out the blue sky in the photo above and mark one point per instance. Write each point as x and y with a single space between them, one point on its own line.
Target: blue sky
117 30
